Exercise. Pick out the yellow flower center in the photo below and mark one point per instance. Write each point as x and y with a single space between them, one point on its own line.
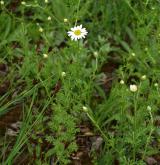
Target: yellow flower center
77 32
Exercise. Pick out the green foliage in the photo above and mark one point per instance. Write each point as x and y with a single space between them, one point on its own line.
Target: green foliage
60 83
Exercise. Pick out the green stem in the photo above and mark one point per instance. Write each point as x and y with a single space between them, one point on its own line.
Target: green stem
135 122
97 126
150 134
77 12
147 1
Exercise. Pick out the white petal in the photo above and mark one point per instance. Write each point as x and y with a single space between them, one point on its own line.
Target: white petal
70 33
73 29
72 38
83 30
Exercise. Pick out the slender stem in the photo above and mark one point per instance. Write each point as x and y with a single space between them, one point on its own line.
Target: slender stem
135 122
147 1
49 13
77 12
150 134
96 64
98 127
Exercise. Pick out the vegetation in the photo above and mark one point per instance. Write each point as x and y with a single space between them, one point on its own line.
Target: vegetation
91 101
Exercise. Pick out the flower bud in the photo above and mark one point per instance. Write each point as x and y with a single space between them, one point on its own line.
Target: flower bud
63 74
65 20
133 88
95 54
49 18
156 84
40 29
143 77
121 82
149 108
23 3
85 109
133 54
45 55
2 2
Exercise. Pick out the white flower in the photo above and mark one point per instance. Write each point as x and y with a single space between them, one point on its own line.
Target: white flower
46 1
77 32
122 82
133 88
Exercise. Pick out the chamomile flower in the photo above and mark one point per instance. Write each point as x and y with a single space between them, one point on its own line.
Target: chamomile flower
77 33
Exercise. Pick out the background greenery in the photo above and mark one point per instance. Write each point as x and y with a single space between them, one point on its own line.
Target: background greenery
123 43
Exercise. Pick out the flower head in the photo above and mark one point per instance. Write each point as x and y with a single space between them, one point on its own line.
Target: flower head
77 32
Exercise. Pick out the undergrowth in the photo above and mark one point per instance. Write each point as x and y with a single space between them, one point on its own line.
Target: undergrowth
52 84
